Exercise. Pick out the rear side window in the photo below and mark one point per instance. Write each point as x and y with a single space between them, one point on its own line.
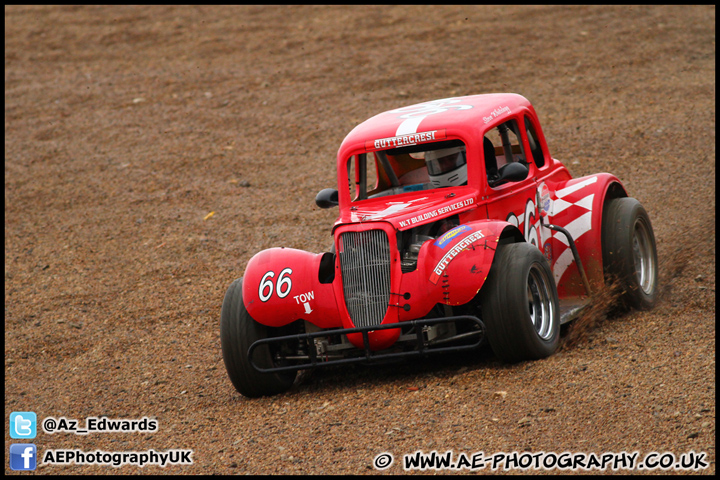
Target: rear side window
537 153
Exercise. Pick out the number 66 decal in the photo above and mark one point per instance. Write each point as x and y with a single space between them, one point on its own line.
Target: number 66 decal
284 285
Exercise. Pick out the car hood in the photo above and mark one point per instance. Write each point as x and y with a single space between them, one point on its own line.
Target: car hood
410 210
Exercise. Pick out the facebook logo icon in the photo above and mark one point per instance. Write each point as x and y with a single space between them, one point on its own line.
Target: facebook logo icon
23 456
23 425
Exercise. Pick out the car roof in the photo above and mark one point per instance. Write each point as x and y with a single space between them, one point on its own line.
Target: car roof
456 116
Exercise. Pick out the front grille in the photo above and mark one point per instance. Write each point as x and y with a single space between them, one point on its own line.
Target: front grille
365 269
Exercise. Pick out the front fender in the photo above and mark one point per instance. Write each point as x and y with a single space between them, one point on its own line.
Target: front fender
282 285
452 268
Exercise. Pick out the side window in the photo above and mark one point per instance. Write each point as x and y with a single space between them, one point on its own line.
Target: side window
502 146
537 153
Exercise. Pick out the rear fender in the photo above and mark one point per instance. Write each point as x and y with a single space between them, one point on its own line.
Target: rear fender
452 269
577 206
282 285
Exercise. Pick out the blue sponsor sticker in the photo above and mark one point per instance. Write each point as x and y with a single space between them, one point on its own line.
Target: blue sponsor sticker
448 236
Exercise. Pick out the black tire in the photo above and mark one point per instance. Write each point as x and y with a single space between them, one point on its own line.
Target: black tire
238 331
629 252
520 304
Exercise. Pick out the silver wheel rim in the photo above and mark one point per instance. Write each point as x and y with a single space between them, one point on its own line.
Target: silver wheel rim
643 257
540 302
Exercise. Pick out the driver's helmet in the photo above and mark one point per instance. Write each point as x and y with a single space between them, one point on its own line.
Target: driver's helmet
447 167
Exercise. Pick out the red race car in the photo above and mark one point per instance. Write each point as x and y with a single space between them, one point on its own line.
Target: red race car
456 227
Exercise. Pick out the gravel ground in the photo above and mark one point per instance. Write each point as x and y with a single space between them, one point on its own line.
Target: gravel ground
126 126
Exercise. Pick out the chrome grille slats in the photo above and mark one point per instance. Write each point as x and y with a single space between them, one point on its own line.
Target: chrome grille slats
365 269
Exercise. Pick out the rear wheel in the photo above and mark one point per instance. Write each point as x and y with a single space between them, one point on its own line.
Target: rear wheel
629 252
520 304
238 331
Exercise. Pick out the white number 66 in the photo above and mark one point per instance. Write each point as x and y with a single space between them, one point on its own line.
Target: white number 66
284 285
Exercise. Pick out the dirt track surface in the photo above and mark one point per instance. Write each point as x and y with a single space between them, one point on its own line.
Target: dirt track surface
126 126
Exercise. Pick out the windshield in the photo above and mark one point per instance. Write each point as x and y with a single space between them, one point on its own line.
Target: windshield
407 169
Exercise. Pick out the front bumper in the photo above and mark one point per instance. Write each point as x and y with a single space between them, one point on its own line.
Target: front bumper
366 355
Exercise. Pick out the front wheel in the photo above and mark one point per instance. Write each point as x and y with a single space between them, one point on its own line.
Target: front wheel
629 252
238 330
520 304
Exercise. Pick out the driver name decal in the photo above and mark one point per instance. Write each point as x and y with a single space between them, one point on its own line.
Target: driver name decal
496 113
404 140
454 252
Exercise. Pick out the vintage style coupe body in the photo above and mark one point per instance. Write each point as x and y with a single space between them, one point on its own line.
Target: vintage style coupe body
456 227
